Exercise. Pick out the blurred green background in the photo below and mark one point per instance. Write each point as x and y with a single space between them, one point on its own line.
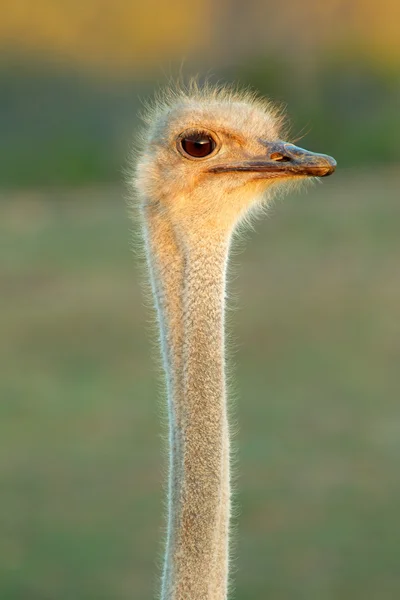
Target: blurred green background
317 296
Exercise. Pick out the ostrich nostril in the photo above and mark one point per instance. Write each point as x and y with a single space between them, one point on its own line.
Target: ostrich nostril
278 156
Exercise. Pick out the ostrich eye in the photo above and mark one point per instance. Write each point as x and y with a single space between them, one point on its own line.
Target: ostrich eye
198 145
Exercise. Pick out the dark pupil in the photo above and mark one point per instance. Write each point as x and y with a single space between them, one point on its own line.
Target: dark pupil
198 146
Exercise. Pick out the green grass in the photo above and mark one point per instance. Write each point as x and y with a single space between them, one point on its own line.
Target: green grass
317 329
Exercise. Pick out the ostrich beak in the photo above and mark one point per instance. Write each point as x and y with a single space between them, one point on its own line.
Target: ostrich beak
283 159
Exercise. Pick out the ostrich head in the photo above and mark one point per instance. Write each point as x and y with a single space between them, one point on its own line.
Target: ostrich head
212 154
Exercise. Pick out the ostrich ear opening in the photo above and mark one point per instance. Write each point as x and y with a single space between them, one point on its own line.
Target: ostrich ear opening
283 158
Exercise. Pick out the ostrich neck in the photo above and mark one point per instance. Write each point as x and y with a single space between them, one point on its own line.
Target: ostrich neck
189 286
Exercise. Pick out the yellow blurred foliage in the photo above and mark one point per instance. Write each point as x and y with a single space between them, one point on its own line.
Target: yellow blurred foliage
123 34
119 34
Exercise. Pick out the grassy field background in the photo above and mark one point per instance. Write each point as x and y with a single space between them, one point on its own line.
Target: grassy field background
317 330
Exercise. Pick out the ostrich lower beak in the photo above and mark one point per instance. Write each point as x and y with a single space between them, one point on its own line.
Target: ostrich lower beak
283 159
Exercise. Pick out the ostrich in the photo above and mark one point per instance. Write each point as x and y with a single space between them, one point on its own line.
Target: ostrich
210 155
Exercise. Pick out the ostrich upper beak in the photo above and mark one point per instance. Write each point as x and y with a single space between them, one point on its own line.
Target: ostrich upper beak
283 158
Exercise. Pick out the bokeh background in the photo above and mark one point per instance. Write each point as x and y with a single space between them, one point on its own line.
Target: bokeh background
317 295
